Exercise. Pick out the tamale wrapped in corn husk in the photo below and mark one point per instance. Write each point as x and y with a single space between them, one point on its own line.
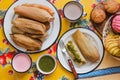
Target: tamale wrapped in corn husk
26 42
86 47
40 6
34 13
29 26
15 30
35 36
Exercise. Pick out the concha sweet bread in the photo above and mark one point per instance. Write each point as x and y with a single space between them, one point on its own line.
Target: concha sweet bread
119 42
112 44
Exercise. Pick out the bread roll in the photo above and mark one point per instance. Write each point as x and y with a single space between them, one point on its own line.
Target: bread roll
112 44
119 42
98 15
111 6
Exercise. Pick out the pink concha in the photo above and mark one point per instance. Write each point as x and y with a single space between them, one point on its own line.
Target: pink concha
116 23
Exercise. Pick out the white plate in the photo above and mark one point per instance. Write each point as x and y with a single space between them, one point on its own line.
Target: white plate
53 32
89 66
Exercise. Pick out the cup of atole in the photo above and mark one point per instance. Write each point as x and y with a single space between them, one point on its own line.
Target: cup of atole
21 62
46 64
73 11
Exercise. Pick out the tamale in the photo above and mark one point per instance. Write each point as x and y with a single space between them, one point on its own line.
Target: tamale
75 53
47 25
29 26
15 30
26 42
34 13
86 47
49 10
35 36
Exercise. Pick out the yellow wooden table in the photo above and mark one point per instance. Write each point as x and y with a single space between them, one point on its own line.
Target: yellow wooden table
109 69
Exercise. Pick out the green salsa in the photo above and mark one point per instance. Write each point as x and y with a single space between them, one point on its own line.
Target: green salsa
46 63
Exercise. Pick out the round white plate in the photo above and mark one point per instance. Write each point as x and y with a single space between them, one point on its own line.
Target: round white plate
89 66
53 32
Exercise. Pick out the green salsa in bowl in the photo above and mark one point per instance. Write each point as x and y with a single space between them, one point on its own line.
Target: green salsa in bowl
46 64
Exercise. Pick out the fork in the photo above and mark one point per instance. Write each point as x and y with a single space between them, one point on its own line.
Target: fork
64 51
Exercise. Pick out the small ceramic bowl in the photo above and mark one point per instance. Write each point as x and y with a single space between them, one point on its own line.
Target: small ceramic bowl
21 62
73 11
46 64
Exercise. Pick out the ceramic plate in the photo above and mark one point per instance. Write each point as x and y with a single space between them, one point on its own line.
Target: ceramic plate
89 66
53 32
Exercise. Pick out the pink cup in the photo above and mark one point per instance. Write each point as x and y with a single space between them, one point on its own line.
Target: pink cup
21 62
